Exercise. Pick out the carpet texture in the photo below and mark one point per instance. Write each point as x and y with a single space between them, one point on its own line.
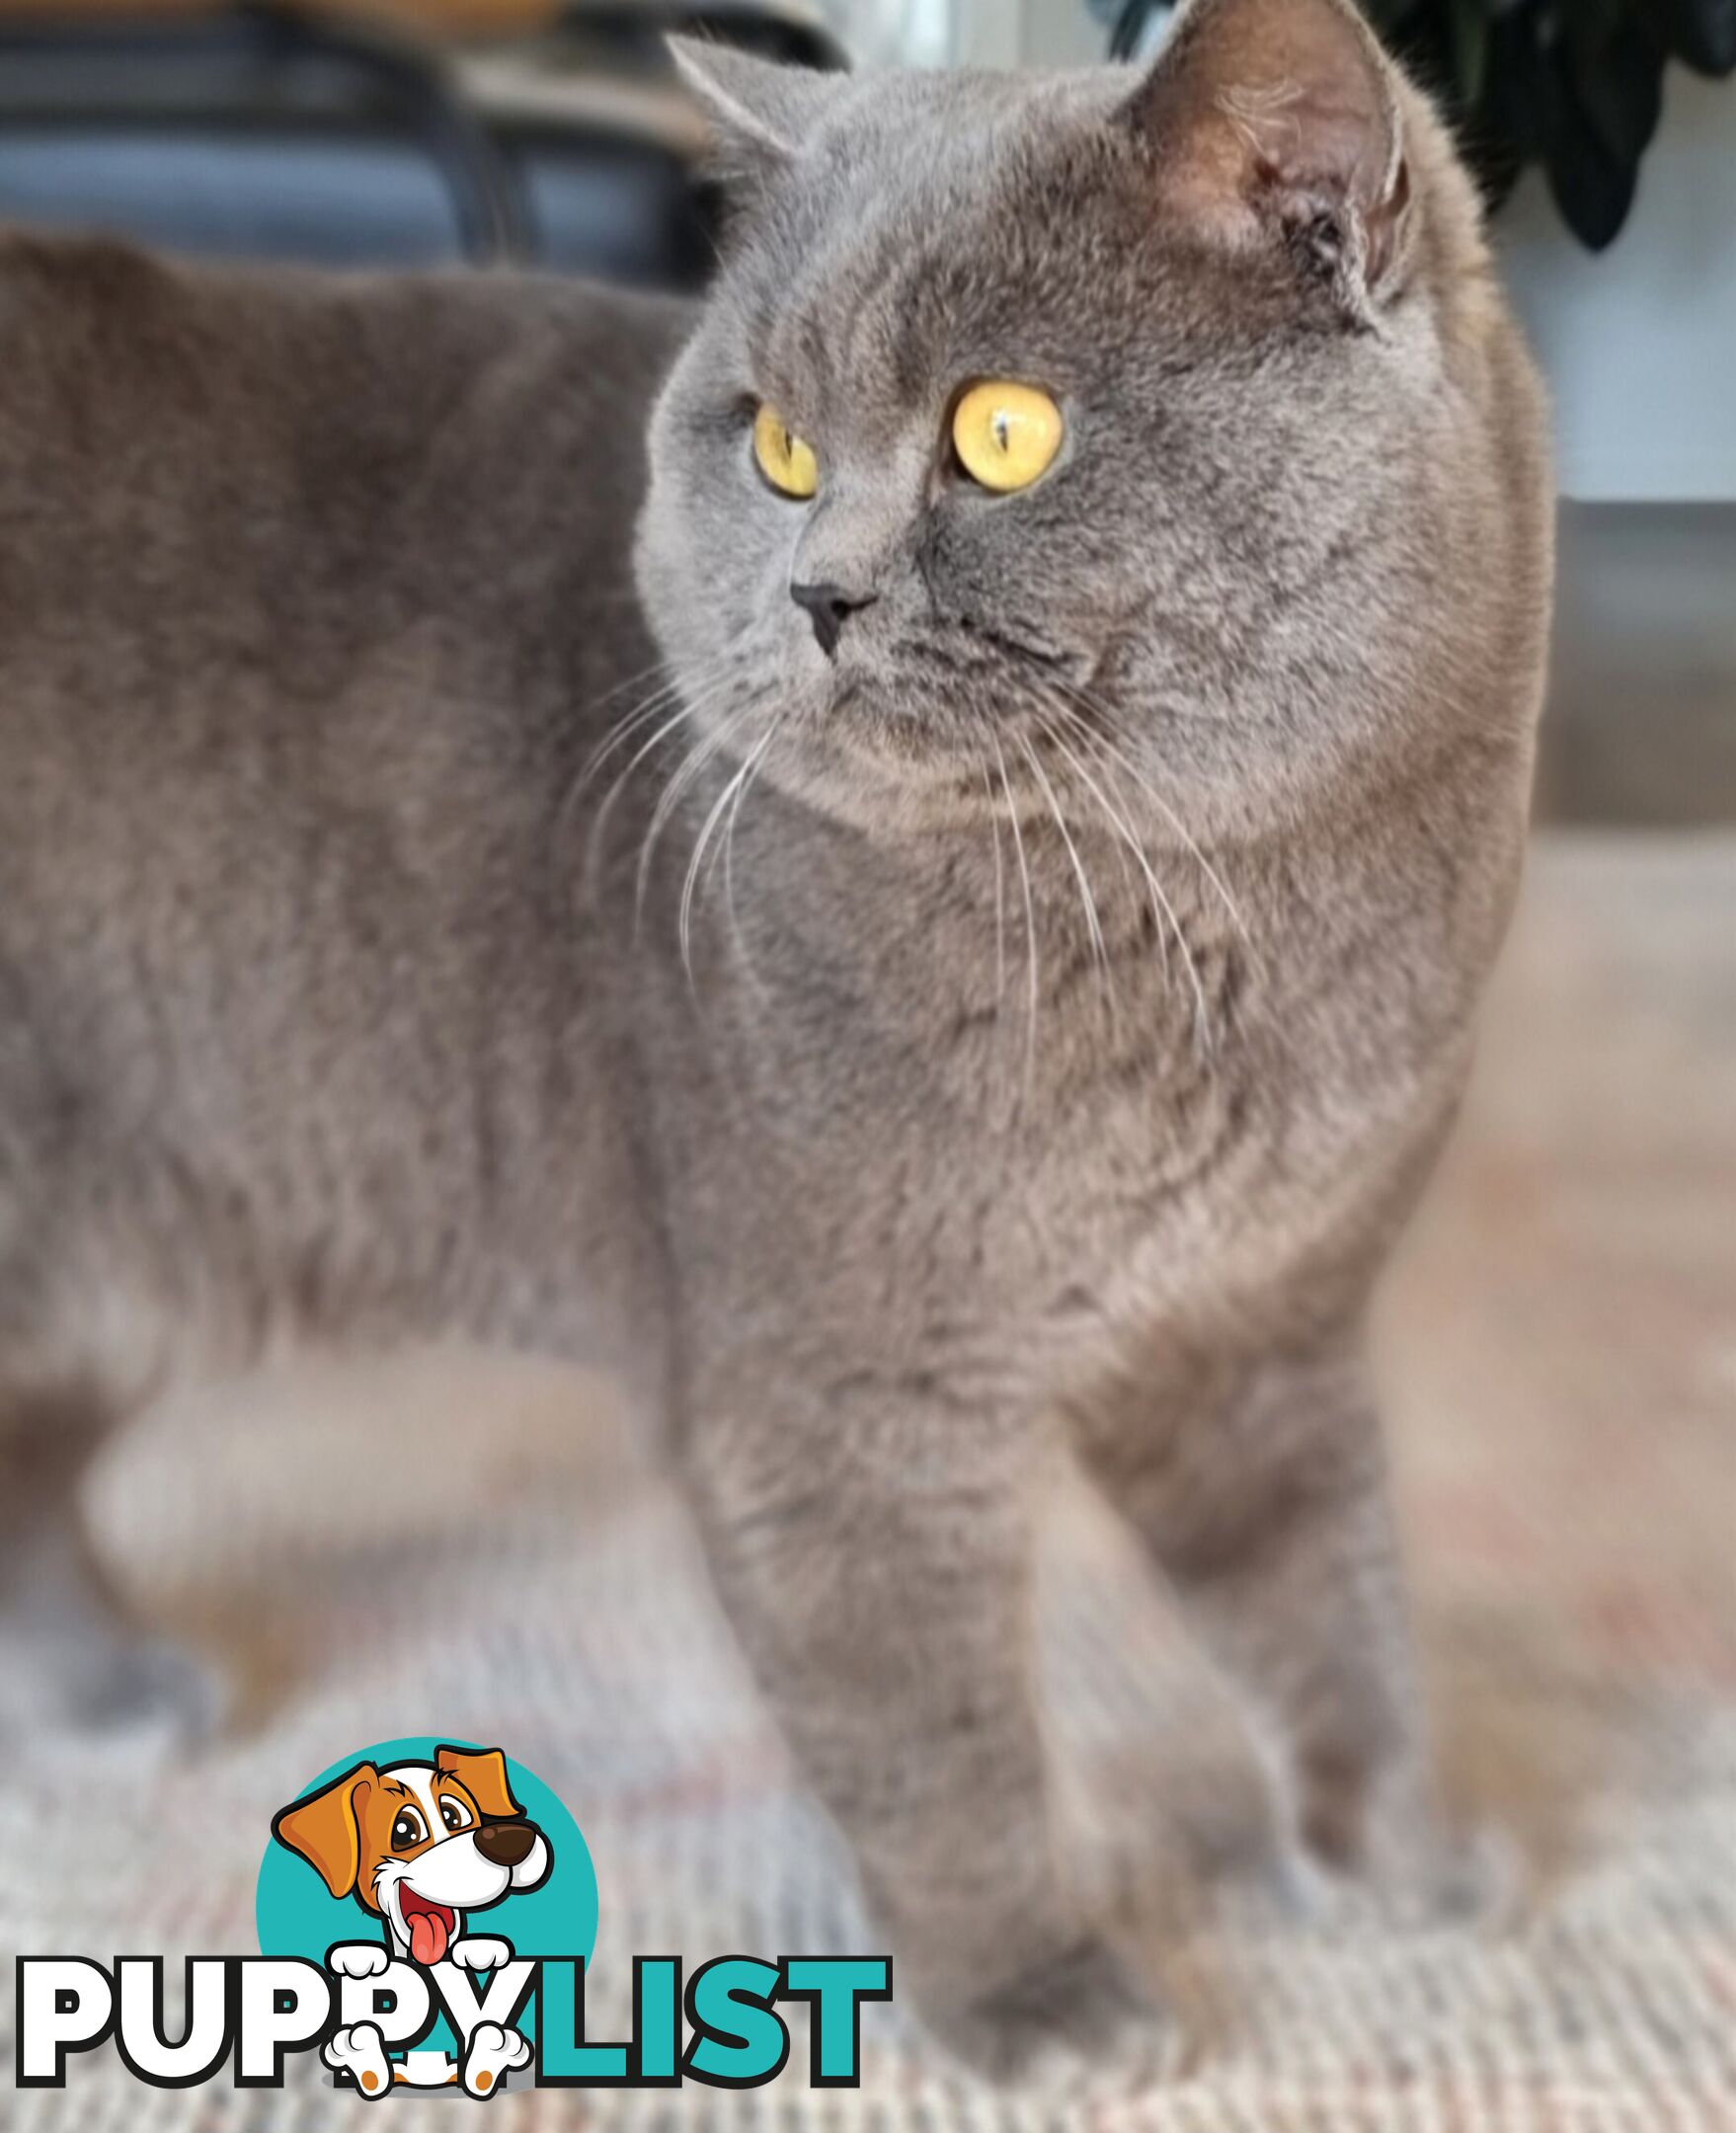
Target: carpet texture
1560 1350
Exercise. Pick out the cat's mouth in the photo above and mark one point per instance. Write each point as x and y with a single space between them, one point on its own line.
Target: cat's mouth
902 731
929 729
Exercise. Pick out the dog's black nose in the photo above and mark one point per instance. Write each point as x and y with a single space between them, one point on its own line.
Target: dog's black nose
830 606
507 1844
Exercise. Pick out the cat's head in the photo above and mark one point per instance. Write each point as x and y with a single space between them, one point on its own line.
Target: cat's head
1139 430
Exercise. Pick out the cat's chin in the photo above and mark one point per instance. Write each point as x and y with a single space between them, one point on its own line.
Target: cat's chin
881 774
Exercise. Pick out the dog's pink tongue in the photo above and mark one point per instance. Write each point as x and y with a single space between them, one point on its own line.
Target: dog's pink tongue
427 1937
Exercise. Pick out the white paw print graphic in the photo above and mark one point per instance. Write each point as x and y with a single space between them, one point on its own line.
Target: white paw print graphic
361 2052
492 2051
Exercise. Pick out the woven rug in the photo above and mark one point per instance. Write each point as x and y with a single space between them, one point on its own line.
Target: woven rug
1559 1347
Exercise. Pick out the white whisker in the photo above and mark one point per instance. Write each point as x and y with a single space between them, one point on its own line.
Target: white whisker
688 773
729 856
1094 927
1163 908
635 720
691 710
1012 812
719 808
999 892
1121 758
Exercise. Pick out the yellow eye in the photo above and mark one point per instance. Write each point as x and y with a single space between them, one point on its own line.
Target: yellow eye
1006 434
786 462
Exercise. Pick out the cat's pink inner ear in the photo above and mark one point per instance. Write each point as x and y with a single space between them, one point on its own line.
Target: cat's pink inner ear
1264 112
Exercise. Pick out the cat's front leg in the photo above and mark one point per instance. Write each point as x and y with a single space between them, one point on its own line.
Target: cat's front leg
1269 1512
873 1547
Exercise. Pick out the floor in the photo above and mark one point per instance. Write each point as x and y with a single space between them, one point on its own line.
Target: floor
1559 1348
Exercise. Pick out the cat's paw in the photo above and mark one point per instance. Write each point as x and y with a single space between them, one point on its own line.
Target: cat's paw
142 1699
152 1686
1449 1877
1076 2023
1461 1877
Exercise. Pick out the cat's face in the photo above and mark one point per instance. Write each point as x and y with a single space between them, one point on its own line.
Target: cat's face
1224 584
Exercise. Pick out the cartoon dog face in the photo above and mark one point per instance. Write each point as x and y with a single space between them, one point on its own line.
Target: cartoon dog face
421 1843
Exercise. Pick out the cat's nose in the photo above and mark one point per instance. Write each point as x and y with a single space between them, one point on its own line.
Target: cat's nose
830 606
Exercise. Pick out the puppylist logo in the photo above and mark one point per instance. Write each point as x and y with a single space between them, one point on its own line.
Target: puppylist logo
426 1914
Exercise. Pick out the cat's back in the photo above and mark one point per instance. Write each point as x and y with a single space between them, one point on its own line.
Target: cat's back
280 551
294 461
312 590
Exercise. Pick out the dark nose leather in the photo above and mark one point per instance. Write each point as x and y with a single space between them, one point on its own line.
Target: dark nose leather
506 1844
829 607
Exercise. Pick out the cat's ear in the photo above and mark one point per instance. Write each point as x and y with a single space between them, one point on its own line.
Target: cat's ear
1281 118
761 113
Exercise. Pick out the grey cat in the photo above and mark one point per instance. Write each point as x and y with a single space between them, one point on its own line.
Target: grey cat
956 959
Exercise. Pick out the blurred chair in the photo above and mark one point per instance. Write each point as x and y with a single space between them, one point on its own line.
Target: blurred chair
266 134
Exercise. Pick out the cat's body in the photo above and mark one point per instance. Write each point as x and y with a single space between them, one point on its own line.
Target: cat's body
338 1002
312 598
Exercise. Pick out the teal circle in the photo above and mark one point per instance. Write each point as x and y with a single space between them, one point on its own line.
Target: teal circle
296 1915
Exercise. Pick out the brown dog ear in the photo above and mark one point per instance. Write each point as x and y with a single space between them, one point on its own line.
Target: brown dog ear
325 1828
1281 118
482 1772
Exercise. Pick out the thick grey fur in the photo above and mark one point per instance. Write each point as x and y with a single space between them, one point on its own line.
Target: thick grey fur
1072 1006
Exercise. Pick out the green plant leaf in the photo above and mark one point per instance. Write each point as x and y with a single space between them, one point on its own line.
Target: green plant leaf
1702 32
